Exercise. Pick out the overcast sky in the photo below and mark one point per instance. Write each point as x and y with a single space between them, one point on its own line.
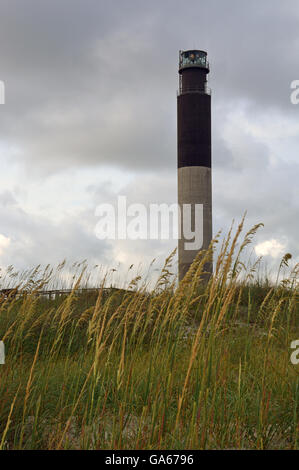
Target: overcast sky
90 114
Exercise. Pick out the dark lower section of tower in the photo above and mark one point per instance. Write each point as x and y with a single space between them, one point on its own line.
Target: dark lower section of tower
194 154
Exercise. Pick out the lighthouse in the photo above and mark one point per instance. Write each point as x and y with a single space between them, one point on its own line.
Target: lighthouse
194 153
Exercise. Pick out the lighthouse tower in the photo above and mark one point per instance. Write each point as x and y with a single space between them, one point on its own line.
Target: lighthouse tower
194 151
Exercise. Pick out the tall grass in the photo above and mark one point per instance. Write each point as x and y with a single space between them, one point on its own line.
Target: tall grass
200 365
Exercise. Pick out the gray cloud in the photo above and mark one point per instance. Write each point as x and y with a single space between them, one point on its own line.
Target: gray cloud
35 239
94 81
91 84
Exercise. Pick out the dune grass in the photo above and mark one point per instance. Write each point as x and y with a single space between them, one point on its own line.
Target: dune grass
199 365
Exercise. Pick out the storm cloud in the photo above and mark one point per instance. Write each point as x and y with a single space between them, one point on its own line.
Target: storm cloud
90 113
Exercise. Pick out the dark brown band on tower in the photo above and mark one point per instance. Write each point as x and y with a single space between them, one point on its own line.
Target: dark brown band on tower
194 129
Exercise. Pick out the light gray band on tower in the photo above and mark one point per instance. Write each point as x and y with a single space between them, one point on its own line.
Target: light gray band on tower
195 187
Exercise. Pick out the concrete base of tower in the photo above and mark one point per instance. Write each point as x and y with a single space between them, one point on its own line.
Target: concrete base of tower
195 187
206 272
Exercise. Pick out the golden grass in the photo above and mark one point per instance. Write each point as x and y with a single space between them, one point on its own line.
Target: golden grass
201 365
